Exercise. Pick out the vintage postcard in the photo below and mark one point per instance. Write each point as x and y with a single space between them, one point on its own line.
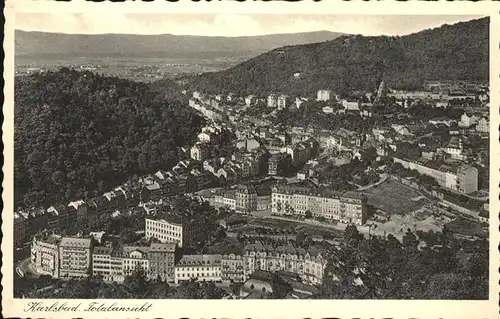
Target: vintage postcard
251 160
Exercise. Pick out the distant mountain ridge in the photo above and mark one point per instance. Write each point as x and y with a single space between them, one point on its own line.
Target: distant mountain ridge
451 52
42 43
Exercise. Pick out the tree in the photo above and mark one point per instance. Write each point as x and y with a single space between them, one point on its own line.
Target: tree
137 282
352 235
308 214
118 128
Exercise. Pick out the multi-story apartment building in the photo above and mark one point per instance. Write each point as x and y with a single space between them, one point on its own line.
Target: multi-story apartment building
309 265
483 125
226 199
346 207
232 269
204 268
250 100
200 152
108 264
61 217
462 178
466 120
45 254
282 102
246 199
279 163
301 152
75 257
162 261
272 101
323 95
185 231
135 258
113 264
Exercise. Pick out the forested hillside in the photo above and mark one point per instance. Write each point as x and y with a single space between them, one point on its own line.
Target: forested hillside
78 133
456 52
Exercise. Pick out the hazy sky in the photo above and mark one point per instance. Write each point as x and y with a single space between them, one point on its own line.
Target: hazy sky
230 24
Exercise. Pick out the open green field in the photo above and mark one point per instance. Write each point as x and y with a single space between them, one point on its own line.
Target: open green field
395 198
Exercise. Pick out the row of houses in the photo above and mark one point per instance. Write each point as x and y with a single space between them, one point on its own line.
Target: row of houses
31 221
65 258
461 178
290 200
308 264
242 199
344 207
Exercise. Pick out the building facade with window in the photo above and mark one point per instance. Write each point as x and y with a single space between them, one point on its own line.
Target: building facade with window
346 207
308 265
232 269
203 268
135 258
45 254
246 199
184 231
75 256
162 261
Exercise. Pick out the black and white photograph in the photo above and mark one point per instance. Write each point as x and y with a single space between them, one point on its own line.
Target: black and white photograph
251 156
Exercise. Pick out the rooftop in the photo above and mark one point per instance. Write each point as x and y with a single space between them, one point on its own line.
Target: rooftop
162 247
49 239
102 250
286 249
75 242
323 192
200 260
129 249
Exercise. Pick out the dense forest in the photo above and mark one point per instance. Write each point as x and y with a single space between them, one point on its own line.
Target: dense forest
78 133
451 52
425 265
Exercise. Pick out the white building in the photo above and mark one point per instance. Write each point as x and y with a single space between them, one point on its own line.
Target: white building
197 95
483 125
45 254
462 178
299 101
466 120
272 101
135 258
184 232
107 265
282 102
249 100
75 257
348 207
323 95
350 105
164 231
308 265
199 152
204 137
203 268
328 110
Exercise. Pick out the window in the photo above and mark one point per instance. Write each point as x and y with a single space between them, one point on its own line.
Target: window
252 286
263 289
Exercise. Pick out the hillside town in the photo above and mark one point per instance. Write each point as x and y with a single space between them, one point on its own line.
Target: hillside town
262 199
